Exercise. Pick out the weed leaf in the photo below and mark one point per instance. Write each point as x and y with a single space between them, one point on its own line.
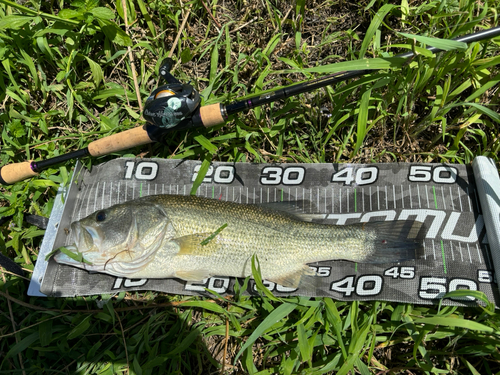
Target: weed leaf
115 34
14 21
103 13
22 345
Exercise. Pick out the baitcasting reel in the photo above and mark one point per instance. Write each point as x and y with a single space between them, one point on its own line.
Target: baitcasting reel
171 104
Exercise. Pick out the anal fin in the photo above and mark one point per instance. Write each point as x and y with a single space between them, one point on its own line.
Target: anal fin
192 275
292 280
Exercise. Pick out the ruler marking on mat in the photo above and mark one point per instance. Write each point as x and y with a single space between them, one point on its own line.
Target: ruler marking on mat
444 258
418 194
370 195
386 201
378 198
460 199
434 195
318 200
88 200
110 193
451 200
363 198
118 193
340 200
347 198
442 194
468 199
394 195
95 197
78 212
333 200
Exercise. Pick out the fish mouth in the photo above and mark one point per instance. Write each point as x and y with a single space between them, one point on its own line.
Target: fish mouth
60 257
86 242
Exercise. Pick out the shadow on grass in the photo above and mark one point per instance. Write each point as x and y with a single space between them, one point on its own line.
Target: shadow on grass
75 336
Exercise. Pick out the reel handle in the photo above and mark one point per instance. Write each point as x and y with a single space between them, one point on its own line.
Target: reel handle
165 68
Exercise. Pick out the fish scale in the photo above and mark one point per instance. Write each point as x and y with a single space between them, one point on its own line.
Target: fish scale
165 234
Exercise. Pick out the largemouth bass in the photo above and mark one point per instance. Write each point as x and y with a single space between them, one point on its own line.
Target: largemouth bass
193 238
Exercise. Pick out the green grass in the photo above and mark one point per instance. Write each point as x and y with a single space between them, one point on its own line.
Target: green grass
66 79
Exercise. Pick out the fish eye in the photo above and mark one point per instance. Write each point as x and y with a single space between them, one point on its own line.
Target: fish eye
100 216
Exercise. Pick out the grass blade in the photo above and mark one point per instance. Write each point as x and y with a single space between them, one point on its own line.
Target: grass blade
275 316
348 66
256 273
201 173
305 349
361 130
442 44
481 108
455 322
374 25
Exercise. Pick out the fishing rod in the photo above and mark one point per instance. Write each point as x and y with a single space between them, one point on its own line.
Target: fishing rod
176 106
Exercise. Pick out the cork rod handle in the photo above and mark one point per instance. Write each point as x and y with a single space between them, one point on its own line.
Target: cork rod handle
211 115
120 141
12 173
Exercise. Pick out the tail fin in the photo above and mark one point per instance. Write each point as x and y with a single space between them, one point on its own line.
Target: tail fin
396 241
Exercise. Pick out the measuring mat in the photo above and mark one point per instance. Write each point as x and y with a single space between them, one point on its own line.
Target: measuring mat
446 197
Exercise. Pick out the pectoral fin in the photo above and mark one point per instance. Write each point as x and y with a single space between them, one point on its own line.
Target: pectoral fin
192 244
